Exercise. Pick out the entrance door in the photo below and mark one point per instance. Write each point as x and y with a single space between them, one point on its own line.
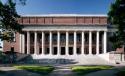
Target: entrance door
70 50
63 50
55 51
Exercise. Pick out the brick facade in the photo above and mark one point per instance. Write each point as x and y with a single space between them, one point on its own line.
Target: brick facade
29 20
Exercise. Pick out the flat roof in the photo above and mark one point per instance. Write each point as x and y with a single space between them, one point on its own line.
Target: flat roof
65 15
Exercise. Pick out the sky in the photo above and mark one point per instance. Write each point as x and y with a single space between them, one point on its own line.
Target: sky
64 7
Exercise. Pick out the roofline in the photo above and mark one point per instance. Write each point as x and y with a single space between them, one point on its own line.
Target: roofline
65 15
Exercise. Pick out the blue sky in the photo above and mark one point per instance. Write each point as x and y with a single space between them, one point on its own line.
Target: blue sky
64 7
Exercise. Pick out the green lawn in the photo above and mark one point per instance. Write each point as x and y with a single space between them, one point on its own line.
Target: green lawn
82 70
37 69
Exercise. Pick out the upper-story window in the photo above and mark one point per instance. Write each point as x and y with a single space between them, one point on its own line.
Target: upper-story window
13 37
47 37
54 37
71 38
63 37
78 37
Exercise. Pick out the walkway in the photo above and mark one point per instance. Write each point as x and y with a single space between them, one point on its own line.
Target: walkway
62 71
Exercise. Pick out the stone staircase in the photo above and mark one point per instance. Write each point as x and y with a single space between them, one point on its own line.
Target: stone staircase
92 60
80 59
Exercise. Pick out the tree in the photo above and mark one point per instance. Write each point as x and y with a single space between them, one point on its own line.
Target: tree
8 19
116 17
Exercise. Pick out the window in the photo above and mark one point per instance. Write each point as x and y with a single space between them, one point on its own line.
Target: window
62 38
47 51
54 37
12 49
13 37
40 50
93 51
78 51
70 50
55 51
71 37
46 37
78 37
32 51
86 38
86 50
62 50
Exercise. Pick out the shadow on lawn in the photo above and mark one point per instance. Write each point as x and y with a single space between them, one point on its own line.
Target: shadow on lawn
83 72
22 73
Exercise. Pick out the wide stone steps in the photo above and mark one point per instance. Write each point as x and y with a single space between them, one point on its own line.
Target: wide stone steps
79 59
93 60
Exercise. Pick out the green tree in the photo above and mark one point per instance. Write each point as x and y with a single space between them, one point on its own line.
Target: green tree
116 17
8 19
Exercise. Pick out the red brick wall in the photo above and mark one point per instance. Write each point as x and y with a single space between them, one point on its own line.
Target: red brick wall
7 45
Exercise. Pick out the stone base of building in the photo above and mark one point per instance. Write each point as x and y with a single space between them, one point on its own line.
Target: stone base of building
101 59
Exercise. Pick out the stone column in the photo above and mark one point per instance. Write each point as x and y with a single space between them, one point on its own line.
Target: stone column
28 42
90 42
105 41
35 42
75 41
67 42
58 42
82 46
50 42
97 42
43 42
23 43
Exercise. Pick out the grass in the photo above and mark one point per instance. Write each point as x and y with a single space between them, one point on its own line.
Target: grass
121 73
37 69
82 70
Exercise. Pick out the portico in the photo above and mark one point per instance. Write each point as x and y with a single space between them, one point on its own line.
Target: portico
64 42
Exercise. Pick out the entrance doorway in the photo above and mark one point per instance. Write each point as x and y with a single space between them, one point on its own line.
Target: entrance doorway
63 51
70 50
54 51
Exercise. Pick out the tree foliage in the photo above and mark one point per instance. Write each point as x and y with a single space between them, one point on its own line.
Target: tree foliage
116 17
8 19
